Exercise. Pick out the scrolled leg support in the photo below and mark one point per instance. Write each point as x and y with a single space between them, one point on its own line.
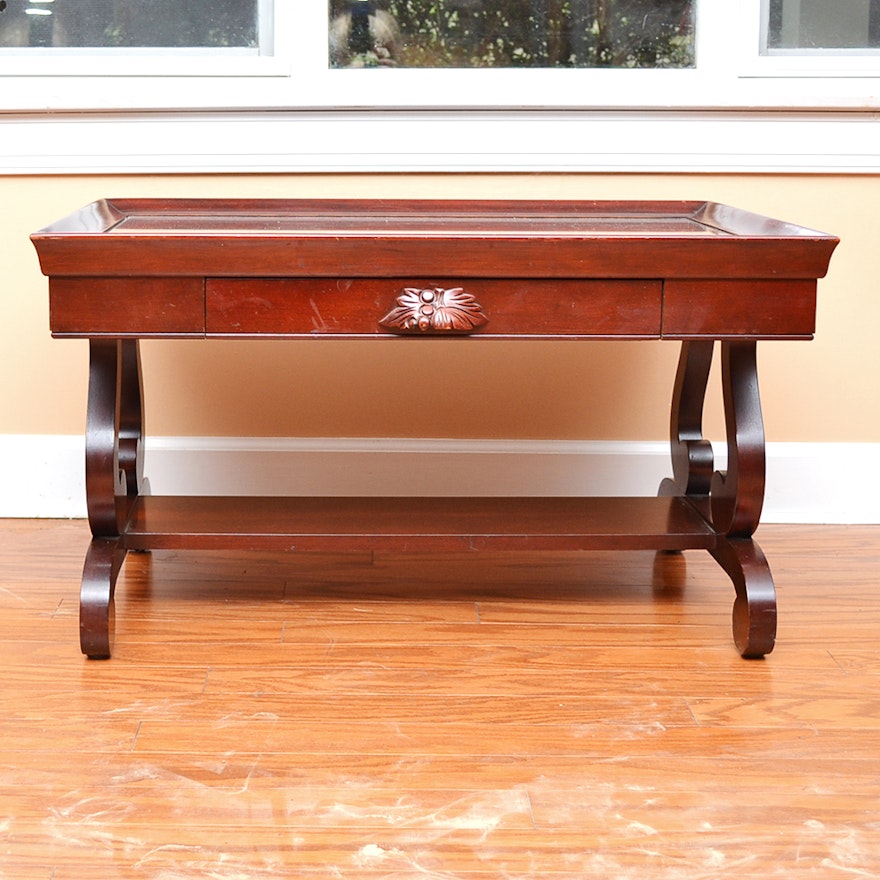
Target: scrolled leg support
114 465
96 613
737 498
692 458
754 610
730 500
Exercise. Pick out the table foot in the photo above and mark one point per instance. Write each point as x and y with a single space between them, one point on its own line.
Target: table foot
96 613
754 610
668 574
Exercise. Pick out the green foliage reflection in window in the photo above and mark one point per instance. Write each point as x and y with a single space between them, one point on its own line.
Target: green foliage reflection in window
512 33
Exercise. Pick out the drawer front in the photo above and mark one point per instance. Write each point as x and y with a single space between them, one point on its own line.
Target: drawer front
746 309
127 307
380 307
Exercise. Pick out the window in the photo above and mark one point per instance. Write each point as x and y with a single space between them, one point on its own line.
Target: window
512 33
289 54
263 85
51 51
810 26
114 24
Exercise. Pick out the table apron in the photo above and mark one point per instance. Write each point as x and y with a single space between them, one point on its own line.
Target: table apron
195 306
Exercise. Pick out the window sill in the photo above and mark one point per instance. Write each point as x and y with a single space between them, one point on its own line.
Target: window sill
438 141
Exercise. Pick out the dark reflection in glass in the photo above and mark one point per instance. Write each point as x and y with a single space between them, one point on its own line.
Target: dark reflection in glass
129 23
512 33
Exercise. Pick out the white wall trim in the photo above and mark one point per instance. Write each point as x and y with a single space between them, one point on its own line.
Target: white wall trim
441 141
42 475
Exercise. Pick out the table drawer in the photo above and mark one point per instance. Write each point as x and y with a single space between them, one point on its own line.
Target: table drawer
429 307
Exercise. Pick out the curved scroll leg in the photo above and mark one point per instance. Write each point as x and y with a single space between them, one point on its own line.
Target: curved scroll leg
738 494
131 423
737 497
96 613
105 480
114 433
131 417
754 611
732 500
692 456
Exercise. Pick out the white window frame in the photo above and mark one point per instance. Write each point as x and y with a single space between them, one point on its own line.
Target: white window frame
66 79
293 74
853 54
288 111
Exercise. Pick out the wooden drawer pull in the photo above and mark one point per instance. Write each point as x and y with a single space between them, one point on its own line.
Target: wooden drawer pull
434 310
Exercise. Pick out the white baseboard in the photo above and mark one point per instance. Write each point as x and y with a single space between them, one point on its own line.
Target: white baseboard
42 475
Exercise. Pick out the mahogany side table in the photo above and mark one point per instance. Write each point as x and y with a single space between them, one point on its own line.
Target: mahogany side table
699 273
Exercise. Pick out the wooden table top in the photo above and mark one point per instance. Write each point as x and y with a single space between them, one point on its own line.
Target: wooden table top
308 238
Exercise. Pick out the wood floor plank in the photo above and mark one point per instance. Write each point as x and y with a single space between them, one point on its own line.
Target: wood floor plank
812 848
39 778
590 740
376 715
816 710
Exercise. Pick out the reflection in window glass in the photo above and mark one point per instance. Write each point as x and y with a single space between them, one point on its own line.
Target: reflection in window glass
512 33
820 24
129 23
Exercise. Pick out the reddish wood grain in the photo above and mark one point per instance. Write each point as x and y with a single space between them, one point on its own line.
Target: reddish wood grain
694 271
133 307
353 307
488 239
756 309
416 523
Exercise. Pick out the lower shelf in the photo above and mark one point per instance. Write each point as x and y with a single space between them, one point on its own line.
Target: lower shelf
428 524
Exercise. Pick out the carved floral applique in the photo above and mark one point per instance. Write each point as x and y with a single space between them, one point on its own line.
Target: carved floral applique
434 310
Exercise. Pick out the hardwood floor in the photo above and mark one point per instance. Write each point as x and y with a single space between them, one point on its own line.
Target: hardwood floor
480 716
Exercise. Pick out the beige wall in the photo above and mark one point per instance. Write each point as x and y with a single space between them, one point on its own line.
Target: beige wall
825 390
